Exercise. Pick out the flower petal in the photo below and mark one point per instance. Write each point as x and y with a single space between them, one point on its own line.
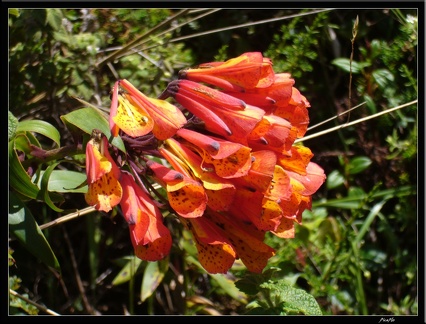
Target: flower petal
246 240
245 71
105 193
167 117
186 196
157 249
298 161
113 110
132 118
285 229
97 164
313 179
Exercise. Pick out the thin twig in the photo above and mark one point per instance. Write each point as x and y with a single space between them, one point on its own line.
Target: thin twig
139 39
354 122
29 301
80 285
240 26
354 32
174 28
337 116
68 217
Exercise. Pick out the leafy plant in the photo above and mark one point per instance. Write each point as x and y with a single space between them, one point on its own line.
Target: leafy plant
353 253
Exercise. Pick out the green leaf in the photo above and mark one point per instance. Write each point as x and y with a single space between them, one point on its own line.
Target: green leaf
12 125
24 227
383 77
22 142
54 18
229 287
329 228
18 178
292 300
371 105
44 190
90 118
65 181
334 179
358 164
128 271
346 66
375 210
41 127
152 277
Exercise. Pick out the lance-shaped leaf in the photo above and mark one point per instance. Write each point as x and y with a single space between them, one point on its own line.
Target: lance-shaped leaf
88 119
24 227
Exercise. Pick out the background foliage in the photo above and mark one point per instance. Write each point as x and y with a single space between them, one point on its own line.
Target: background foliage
356 252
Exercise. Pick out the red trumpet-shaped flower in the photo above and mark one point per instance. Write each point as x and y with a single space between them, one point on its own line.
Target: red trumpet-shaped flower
222 114
231 173
221 239
273 133
215 252
220 192
229 159
150 238
246 71
127 115
268 98
102 174
295 111
186 196
246 239
137 114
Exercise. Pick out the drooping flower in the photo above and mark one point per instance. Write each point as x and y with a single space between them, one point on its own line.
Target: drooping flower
229 159
186 196
151 240
246 239
220 192
272 133
246 71
103 174
231 172
125 114
221 239
268 98
295 111
137 114
221 113
215 253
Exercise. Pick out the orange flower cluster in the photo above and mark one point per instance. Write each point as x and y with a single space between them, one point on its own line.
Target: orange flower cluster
233 171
